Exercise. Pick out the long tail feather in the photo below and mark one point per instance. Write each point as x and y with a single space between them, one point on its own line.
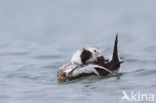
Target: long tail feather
115 51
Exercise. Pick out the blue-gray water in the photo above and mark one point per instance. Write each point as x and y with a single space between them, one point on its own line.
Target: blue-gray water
38 36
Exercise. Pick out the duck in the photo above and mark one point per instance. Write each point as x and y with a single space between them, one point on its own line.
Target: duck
89 61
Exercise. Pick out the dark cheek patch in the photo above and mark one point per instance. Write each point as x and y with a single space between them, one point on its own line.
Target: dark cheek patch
85 55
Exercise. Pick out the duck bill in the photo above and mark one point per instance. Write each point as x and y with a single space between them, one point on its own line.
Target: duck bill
106 60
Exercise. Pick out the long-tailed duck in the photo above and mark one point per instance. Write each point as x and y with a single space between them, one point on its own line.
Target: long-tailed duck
88 61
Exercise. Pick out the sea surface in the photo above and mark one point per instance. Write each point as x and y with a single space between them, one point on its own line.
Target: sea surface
39 36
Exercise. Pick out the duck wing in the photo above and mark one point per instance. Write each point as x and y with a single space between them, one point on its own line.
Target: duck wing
87 70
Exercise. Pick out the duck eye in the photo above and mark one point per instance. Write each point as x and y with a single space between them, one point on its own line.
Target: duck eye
94 50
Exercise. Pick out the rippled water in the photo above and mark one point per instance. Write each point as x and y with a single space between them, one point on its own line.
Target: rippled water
38 36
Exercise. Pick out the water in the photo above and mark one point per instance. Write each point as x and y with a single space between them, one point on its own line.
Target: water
38 36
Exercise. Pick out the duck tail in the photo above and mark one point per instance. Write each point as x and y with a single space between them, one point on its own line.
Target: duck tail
115 56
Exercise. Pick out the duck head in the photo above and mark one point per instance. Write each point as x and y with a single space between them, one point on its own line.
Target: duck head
86 55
